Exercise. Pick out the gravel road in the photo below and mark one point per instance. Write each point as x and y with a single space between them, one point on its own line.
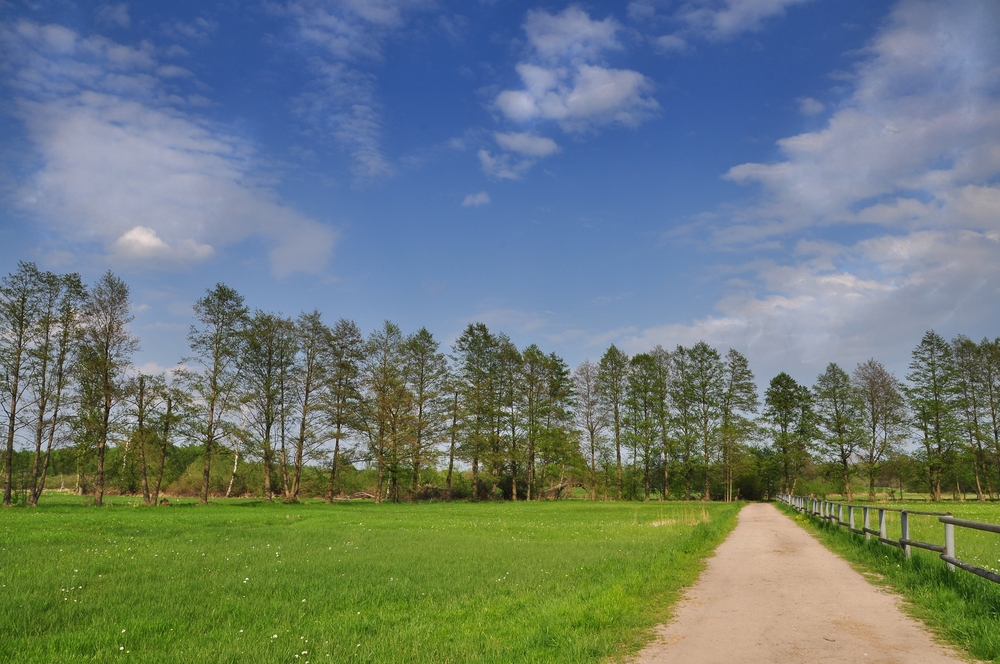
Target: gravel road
772 593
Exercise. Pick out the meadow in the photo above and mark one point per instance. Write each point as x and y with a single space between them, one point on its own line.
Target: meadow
250 581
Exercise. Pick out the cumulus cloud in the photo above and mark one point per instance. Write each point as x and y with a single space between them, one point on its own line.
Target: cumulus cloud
126 164
566 81
476 200
910 162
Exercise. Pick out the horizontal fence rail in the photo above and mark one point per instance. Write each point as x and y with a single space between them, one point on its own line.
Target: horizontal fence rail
834 512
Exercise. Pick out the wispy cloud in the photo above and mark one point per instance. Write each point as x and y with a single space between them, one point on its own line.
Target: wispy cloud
126 162
712 20
342 103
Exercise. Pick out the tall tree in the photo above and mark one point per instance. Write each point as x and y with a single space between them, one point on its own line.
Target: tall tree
268 354
535 387
51 363
971 375
589 417
612 386
883 416
665 376
645 394
788 410
506 450
739 402
559 449
425 371
343 358
20 306
312 341
839 414
386 406
217 343
708 388
990 353
474 354
933 396
105 355
684 421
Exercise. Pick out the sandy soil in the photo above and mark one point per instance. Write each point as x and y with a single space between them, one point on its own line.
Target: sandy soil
772 593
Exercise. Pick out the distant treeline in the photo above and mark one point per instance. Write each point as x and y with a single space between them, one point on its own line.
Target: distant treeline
278 407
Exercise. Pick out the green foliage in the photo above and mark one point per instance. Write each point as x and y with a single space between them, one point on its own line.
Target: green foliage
241 581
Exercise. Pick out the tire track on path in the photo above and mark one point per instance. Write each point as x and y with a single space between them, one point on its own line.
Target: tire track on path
772 593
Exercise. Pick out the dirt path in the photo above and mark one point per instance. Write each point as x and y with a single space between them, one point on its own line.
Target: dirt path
772 593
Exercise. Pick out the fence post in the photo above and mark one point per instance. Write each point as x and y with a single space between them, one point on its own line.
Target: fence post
840 514
949 543
881 524
850 515
904 524
868 521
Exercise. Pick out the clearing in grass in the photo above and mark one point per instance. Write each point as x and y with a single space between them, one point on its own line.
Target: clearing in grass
246 581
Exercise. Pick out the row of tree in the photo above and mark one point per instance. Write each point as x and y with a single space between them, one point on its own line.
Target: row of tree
485 420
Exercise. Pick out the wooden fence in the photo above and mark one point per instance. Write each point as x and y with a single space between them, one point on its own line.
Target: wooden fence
834 512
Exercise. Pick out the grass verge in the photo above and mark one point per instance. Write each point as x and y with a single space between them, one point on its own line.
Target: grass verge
961 608
247 581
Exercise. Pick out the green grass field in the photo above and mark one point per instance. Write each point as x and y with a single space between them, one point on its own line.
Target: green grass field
247 581
963 609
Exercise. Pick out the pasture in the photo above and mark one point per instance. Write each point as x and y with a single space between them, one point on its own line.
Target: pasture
249 581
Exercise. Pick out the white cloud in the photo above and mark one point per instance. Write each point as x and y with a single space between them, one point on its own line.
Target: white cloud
810 106
570 36
120 165
722 19
671 43
503 166
922 124
114 15
567 81
527 144
476 200
911 161
342 102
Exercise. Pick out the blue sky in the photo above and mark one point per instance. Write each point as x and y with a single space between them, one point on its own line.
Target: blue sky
804 180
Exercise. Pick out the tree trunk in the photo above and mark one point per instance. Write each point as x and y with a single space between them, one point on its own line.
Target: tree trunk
333 467
232 475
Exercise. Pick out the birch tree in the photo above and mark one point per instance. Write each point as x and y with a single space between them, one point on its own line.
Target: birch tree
217 343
